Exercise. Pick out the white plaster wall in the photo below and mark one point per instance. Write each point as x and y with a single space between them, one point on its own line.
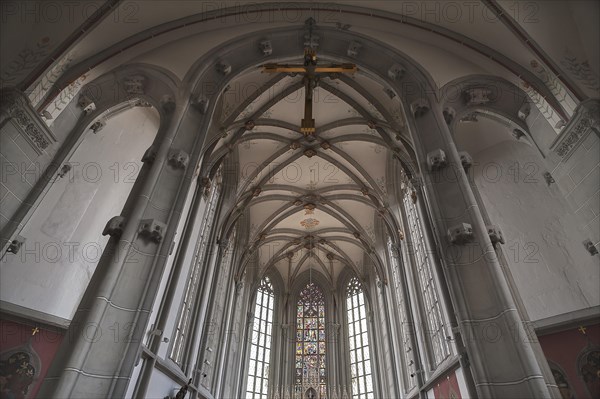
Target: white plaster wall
552 270
64 235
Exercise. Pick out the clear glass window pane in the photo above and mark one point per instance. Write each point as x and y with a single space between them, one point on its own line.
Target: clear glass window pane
258 370
360 365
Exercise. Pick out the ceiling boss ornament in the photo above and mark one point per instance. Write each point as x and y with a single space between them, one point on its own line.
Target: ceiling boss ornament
311 73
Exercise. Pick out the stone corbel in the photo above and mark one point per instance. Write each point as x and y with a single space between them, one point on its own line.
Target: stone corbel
524 111
265 47
590 247
179 159
167 103
152 230
223 68
201 103
114 227
86 103
495 234
353 49
396 72
16 244
466 160
419 107
461 234
149 155
390 93
436 160
449 115
98 125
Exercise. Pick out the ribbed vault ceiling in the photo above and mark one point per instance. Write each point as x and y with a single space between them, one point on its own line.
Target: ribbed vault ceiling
312 202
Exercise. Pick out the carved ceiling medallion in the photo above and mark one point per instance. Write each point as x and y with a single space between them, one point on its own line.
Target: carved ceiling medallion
309 223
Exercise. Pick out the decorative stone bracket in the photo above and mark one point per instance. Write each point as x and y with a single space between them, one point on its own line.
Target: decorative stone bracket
201 103
548 177
86 103
353 49
114 227
265 47
495 234
461 234
223 68
466 160
16 244
167 103
149 155
590 247
419 107
98 125
179 159
396 72
436 160
449 115
152 230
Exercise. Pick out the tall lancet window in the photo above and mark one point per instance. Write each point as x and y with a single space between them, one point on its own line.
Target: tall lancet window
360 355
310 341
260 347
428 288
201 258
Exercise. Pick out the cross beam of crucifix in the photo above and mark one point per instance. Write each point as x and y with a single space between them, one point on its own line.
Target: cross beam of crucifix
311 72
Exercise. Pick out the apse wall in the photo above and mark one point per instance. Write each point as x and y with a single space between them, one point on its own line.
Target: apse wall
64 235
553 272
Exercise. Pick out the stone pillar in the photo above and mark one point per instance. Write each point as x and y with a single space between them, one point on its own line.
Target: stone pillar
335 358
287 349
502 360
98 354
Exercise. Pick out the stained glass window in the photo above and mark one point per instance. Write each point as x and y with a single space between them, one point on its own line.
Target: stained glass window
310 341
260 347
360 355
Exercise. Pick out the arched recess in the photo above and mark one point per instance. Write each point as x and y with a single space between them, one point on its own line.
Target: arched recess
588 368
469 98
83 205
134 85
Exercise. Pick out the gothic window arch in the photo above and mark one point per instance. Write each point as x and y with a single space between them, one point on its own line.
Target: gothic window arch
310 362
185 317
561 381
257 385
424 268
360 354
589 369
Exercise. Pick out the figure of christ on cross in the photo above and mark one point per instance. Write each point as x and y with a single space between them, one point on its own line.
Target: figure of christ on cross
311 73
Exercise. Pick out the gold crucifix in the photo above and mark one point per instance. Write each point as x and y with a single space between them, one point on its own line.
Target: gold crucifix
311 72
